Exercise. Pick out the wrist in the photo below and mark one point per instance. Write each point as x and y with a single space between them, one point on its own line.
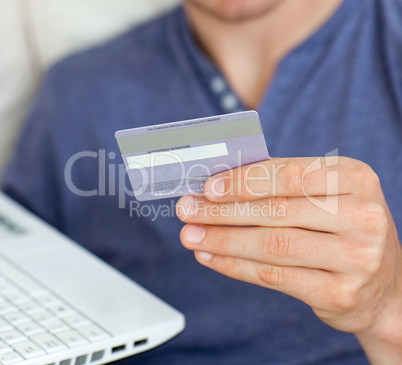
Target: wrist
382 342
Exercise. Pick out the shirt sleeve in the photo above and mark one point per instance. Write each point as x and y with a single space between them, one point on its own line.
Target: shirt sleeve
32 176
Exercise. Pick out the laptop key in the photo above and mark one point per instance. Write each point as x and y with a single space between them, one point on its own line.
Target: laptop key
43 316
76 320
47 299
30 307
12 336
48 342
29 350
16 296
72 338
56 326
5 286
61 309
4 326
30 328
93 333
4 347
10 358
16 317
6 307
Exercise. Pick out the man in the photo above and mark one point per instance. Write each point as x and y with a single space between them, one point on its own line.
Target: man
325 76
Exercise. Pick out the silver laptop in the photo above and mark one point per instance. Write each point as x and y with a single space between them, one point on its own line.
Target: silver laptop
61 305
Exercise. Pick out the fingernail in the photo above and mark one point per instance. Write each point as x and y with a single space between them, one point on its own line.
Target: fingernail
194 234
218 187
186 207
204 256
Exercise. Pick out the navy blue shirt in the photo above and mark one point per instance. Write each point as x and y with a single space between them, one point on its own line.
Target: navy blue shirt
340 89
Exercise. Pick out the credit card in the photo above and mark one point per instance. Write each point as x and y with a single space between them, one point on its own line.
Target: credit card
175 159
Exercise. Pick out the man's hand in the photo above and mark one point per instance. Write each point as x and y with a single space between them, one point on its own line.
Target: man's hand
316 229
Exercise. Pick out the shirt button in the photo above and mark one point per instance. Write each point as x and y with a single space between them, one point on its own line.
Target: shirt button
218 85
229 102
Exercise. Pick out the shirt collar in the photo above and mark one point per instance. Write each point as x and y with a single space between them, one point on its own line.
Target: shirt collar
213 79
209 74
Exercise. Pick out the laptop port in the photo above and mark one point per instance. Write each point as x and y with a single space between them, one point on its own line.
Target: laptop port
118 348
141 342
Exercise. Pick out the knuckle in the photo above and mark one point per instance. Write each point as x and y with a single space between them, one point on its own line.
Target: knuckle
376 219
346 297
254 181
230 266
274 209
369 260
379 218
344 161
294 176
272 276
367 177
375 181
371 217
372 261
279 205
362 169
278 243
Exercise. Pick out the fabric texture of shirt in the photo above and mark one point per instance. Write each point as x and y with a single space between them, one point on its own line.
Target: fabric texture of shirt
339 90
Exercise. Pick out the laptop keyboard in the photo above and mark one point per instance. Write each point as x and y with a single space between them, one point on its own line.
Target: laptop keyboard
34 322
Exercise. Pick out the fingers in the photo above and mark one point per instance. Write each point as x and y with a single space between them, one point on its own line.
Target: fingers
296 177
273 246
308 285
275 212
